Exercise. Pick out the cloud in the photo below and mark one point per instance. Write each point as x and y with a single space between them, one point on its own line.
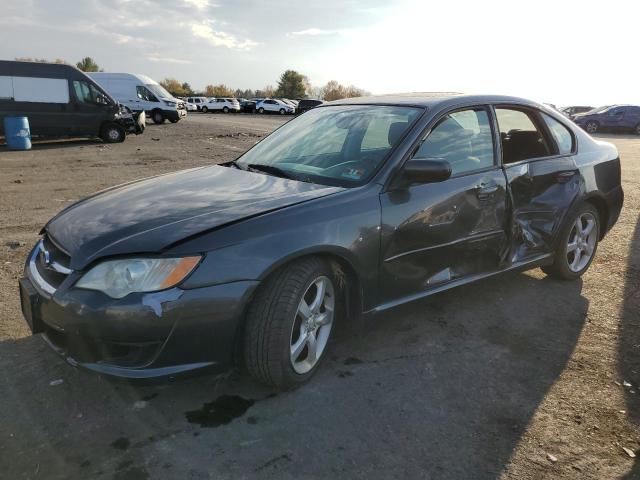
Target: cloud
220 39
156 57
315 32
199 4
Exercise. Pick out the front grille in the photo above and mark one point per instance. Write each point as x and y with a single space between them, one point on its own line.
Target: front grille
49 265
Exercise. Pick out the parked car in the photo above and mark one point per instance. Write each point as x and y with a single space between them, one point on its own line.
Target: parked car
247 106
191 107
224 105
288 102
351 209
612 118
195 103
141 93
571 111
307 104
274 106
61 101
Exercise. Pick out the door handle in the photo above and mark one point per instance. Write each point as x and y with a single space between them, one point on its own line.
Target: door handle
486 189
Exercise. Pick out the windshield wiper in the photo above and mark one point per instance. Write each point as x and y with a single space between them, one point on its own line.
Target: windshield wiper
278 172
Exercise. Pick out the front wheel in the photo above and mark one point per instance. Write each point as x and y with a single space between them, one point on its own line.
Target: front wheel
225 110
261 110
158 117
592 127
205 109
578 242
175 120
282 112
289 323
113 133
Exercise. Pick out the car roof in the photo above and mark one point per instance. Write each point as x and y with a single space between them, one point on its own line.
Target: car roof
431 100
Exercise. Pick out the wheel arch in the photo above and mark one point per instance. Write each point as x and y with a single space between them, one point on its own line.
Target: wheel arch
601 206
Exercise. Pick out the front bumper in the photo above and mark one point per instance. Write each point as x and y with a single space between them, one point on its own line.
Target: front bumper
175 114
141 335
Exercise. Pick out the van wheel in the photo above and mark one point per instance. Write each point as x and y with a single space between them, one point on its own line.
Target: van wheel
577 244
157 116
261 110
113 133
289 323
174 120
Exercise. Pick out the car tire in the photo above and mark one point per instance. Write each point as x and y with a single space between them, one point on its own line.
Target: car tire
261 110
158 117
592 127
576 250
282 112
175 120
205 110
225 109
280 331
113 133
637 129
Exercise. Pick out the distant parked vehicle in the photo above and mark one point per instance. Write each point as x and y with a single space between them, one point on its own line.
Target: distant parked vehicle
247 106
196 102
141 93
307 104
275 106
620 118
288 102
574 110
224 105
191 107
61 101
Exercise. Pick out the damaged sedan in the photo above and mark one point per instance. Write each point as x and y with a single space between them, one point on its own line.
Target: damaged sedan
350 209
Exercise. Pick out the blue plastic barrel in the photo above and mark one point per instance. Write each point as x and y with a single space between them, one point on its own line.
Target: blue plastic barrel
17 133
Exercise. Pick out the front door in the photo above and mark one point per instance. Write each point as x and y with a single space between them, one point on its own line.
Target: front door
437 233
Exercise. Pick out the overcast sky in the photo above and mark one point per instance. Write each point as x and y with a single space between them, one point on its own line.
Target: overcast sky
559 51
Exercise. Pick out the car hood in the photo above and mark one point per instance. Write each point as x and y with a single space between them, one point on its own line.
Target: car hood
150 215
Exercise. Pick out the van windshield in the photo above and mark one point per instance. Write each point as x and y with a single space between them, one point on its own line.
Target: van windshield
341 145
158 90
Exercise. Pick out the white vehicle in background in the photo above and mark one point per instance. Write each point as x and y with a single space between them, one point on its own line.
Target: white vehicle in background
195 103
224 105
141 93
273 105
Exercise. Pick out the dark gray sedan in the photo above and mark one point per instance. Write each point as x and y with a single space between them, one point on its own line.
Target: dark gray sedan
350 209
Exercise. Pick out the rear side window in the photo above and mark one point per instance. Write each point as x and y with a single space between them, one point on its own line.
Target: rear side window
463 139
560 133
46 90
520 137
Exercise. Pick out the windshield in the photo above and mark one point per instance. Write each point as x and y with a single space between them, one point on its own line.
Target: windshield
340 145
159 90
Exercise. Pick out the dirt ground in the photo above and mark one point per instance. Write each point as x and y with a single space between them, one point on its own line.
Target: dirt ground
515 377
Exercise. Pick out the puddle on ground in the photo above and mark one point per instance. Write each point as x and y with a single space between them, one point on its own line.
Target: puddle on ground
220 412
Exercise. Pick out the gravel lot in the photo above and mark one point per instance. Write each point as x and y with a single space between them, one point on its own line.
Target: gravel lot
517 377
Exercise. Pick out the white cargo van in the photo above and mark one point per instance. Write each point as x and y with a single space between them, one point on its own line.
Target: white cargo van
139 92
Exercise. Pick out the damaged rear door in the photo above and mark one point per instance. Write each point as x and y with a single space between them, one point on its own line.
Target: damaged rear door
436 233
543 181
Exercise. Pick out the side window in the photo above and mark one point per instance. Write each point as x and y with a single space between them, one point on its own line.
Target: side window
463 139
87 93
145 94
521 139
560 133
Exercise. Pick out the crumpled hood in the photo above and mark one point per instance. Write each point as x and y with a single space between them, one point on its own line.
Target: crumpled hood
149 215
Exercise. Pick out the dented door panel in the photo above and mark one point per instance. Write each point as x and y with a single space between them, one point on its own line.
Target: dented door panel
441 232
542 191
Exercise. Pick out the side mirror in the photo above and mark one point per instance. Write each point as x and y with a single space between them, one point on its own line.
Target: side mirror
426 170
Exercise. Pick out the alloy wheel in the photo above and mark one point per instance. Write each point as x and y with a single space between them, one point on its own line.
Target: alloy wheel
312 325
113 134
582 241
592 127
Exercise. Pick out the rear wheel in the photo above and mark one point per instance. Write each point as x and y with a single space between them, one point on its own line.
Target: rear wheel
113 133
157 117
205 109
592 127
289 323
577 245
261 110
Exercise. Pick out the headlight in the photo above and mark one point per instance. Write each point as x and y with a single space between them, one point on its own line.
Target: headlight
119 278
170 104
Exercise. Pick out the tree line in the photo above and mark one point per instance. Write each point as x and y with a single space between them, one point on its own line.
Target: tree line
291 84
